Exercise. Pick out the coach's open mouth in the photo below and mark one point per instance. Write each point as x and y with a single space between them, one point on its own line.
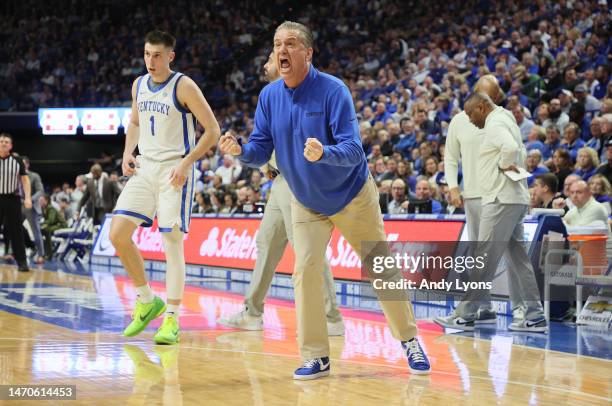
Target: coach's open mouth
284 63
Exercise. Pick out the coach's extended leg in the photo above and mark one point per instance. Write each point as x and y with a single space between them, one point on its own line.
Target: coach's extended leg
361 221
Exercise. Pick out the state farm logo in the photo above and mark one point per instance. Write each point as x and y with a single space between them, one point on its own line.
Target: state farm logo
148 240
345 256
227 242
230 244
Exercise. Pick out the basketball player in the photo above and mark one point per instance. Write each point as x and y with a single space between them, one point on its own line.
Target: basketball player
274 232
309 119
165 106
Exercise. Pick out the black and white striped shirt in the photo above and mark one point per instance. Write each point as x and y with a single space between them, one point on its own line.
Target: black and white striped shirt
11 170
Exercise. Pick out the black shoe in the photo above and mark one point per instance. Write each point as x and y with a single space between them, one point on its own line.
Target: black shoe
24 268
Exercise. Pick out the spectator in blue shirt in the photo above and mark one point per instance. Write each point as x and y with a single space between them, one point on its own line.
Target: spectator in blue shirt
424 192
552 141
601 189
381 114
595 141
571 140
532 163
536 139
602 74
309 120
525 124
407 138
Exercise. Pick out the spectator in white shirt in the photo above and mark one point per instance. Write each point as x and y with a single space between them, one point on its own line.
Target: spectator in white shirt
229 171
586 209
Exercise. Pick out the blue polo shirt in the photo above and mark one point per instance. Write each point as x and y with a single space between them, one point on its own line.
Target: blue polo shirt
320 107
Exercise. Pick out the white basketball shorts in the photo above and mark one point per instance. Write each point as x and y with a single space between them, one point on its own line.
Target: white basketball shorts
149 192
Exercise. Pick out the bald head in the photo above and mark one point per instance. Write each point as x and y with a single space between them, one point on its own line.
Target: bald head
569 180
488 84
580 193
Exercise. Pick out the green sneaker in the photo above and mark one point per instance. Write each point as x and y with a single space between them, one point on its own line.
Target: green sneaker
168 332
143 314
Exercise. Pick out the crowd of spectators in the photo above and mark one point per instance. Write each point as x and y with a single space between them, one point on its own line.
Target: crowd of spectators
409 66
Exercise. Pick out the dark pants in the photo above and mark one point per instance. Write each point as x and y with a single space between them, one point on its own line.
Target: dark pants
10 212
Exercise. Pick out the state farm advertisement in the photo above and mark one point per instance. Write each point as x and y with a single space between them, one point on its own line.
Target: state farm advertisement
231 243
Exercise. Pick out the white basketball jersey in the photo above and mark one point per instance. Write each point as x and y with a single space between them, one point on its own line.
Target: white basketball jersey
167 129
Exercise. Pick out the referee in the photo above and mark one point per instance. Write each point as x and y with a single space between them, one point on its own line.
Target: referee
12 172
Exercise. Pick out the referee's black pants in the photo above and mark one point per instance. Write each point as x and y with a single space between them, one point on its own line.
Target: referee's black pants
10 212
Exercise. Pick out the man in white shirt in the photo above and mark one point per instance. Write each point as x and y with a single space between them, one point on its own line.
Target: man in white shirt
586 210
504 205
462 145
229 171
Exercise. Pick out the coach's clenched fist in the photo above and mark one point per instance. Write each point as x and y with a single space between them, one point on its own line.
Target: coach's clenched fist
229 144
313 149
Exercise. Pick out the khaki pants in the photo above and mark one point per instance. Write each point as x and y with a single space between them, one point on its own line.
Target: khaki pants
359 221
274 233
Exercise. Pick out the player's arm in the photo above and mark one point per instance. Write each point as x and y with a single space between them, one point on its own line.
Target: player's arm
129 163
191 97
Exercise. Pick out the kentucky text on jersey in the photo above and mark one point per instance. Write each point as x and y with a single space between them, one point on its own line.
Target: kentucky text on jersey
153 106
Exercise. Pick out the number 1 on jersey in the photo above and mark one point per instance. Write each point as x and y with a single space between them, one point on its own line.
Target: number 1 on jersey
152 119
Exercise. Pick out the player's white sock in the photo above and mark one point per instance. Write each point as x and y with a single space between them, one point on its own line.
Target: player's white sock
175 265
145 294
172 309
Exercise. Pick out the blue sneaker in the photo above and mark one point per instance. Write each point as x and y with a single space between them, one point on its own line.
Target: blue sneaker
313 369
417 360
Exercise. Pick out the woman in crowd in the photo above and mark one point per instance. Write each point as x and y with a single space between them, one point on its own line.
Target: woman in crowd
586 163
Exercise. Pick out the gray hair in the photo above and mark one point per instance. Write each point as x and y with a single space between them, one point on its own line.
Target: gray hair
304 32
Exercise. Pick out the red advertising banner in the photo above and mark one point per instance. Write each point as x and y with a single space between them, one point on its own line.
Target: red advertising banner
230 243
